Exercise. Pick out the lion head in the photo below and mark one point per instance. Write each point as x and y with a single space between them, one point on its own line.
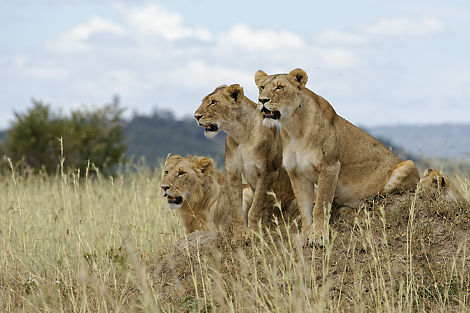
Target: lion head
218 108
280 94
183 179
434 181
433 178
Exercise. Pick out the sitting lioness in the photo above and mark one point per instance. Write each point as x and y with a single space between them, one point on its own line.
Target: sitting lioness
192 186
434 181
250 151
320 147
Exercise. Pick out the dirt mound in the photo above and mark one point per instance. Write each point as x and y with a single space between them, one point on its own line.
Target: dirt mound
175 273
409 238
402 247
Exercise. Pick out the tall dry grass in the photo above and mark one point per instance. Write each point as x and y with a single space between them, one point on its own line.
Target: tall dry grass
80 244
74 243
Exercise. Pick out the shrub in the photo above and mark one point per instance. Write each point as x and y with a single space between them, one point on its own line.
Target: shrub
94 135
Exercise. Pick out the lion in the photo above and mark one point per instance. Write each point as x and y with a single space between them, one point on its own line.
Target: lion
250 151
435 181
193 186
322 148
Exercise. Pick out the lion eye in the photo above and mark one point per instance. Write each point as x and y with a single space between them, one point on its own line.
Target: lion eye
261 87
181 173
212 102
165 172
279 87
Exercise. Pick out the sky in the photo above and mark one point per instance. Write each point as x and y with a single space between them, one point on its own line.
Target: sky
378 62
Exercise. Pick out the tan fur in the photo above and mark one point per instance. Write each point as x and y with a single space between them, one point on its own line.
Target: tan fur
251 150
322 148
436 182
205 203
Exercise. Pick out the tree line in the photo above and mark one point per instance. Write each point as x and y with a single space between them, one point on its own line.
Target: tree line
41 139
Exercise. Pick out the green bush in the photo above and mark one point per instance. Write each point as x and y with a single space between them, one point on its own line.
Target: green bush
34 140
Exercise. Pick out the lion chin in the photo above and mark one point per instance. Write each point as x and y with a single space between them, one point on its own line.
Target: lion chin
269 122
174 203
211 130
173 206
210 133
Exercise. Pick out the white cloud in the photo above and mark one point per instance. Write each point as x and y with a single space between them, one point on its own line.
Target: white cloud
398 26
94 25
282 49
198 75
333 36
242 36
338 58
402 26
49 73
24 67
75 40
116 81
153 19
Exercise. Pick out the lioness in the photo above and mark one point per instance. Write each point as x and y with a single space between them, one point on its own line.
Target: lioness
249 150
435 181
320 147
192 186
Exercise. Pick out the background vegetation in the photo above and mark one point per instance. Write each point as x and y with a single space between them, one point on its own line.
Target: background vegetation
102 137
39 138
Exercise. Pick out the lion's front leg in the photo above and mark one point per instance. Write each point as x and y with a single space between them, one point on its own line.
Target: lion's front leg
304 191
327 181
256 211
234 182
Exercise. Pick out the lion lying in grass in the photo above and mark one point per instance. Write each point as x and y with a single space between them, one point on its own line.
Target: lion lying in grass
192 185
320 147
434 181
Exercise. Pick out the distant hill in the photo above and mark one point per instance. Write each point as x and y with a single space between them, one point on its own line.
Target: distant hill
153 137
449 141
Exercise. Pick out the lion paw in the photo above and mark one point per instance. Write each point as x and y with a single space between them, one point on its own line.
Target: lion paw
315 237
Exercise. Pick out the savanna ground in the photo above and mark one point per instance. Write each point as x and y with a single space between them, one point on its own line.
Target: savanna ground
71 243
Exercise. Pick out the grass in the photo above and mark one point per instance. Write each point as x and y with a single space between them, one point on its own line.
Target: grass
70 243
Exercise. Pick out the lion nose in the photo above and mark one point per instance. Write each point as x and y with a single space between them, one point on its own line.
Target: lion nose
263 100
198 116
165 187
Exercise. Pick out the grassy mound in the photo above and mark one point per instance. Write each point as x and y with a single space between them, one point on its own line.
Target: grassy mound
401 252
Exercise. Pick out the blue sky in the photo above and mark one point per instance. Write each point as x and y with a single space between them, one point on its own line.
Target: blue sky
377 62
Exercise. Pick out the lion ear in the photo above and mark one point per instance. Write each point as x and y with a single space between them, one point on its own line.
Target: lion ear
172 158
235 92
203 164
438 179
299 77
427 172
443 182
259 76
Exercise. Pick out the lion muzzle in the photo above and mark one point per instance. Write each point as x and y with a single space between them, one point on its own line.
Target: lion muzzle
275 115
175 200
211 128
